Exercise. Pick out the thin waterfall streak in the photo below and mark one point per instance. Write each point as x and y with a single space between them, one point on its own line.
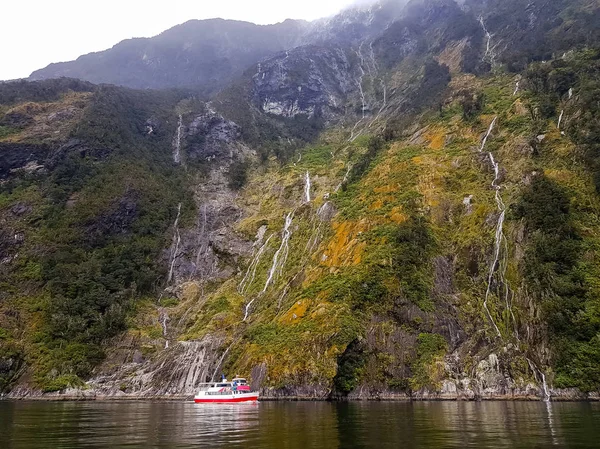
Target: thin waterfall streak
507 291
372 55
362 97
221 361
562 112
177 149
344 179
516 89
383 106
177 242
201 240
163 322
307 187
251 271
499 226
489 50
545 386
487 135
278 261
547 395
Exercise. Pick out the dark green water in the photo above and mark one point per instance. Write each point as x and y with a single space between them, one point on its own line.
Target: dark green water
300 425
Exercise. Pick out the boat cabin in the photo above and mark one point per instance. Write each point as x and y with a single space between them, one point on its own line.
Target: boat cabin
238 384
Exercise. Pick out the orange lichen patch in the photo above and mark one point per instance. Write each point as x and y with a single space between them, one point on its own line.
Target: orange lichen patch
397 216
437 139
345 248
297 311
417 160
386 189
376 205
381 171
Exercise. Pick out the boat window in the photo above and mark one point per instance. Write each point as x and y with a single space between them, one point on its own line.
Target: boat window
222 385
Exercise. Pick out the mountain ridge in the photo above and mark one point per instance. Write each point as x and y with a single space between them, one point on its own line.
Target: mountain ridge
407 216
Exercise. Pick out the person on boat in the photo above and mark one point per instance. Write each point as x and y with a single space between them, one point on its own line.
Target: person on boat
234 385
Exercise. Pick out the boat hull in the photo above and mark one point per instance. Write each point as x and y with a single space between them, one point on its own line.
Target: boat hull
226 399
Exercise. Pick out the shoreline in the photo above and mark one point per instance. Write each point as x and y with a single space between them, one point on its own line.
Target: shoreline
63 397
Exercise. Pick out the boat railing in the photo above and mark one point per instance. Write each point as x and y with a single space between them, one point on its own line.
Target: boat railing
225 393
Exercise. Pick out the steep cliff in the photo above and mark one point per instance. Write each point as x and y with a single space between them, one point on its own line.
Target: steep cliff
409 214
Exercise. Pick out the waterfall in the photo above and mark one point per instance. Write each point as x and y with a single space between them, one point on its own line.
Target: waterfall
560 118
203 239
212 378
362 96
499 226
251 271
176 243
372 57
489 49
163 317
384 104
177 143
337 189
307 187
499 239
516 89
570 93
535 369
279 260
487 135
282 252
545 386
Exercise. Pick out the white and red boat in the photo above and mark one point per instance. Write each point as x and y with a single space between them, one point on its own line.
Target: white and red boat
225 392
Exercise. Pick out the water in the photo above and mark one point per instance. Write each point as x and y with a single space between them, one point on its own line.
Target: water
300 425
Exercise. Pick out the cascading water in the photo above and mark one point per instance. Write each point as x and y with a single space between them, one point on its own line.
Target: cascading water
516 88
176 243
547 396
337 189
279 260
560 118
489 54
570 93
383 105
251 271
212 378
163 318
545 386
499 226
307 187
177 143
202 239
362 96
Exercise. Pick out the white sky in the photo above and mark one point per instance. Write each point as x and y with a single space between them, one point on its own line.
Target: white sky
34 33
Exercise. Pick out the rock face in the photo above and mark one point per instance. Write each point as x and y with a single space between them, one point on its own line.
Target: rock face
211 250
308 81
17 156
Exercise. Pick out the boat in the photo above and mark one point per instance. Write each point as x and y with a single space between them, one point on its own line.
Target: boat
225 392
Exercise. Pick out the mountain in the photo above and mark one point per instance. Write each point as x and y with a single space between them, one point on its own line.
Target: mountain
204 54
404 205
